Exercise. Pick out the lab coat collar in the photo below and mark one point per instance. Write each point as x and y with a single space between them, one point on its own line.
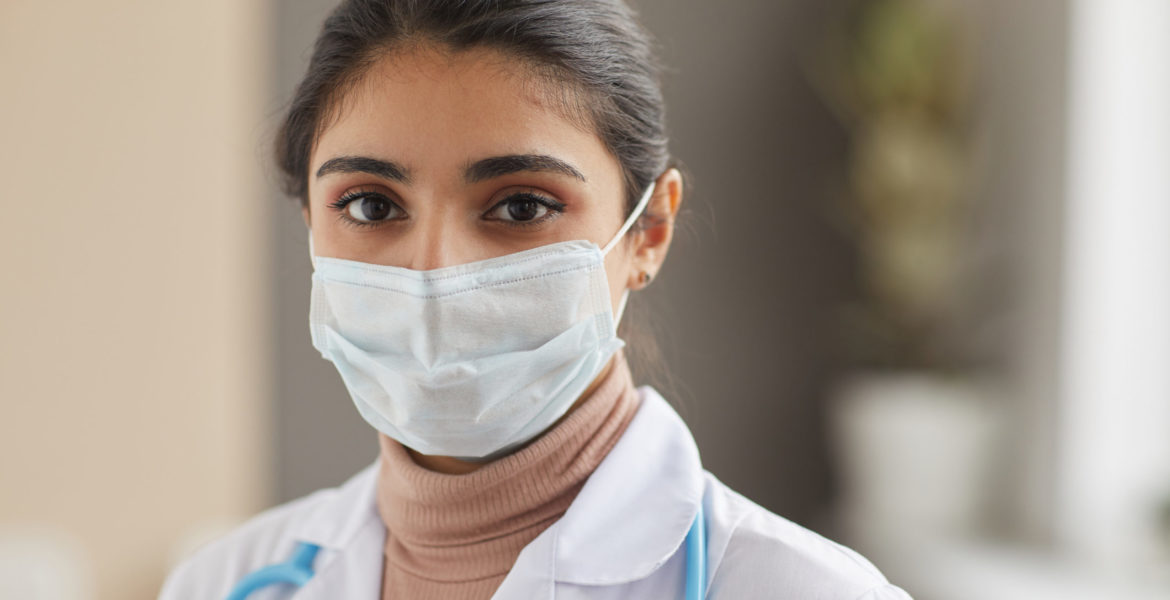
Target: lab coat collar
351 509
634 511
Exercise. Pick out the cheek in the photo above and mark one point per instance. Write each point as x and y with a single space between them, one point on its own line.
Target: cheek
617 269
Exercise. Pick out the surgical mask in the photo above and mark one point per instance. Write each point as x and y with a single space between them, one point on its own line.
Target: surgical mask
472 360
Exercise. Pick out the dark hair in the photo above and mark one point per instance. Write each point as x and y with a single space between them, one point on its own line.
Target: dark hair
594 47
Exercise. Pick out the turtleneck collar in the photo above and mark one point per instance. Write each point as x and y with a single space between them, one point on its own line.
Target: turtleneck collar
457 536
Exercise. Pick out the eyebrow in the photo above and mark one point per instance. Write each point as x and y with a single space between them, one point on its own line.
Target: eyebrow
364 164
498 166
480 170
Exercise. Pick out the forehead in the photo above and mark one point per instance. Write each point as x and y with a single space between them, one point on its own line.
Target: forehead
429 108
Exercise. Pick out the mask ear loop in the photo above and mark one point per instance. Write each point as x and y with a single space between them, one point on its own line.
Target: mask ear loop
633 218
312 255
621 308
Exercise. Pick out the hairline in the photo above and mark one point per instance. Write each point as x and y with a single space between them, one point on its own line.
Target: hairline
562 93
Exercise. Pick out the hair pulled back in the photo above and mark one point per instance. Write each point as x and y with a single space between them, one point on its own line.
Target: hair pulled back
595 47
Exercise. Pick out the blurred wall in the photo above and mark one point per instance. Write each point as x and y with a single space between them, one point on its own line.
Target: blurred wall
132 356
320 438
746 307
1021 51
743 306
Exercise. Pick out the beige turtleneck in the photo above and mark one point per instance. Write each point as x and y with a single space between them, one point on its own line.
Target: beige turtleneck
455 537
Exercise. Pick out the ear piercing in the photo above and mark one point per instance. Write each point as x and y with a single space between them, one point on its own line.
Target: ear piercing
645 277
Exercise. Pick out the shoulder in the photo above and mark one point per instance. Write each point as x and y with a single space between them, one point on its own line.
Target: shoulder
262 540
756 554
265 539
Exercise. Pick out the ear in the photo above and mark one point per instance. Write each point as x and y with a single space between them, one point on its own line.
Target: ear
653 240
305 215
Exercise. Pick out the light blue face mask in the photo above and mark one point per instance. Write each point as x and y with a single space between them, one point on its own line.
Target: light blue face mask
472 360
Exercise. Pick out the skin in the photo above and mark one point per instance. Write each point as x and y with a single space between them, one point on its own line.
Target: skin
433 113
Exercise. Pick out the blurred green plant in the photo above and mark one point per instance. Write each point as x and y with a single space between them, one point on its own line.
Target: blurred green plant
896 77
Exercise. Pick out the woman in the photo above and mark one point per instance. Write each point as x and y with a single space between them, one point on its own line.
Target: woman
485 182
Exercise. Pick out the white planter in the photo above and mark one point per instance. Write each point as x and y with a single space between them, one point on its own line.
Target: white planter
916 452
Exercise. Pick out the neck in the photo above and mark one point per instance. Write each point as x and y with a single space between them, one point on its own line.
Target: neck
456 466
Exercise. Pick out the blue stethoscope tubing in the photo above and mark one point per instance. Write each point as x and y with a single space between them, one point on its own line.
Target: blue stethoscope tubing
298 570
697 557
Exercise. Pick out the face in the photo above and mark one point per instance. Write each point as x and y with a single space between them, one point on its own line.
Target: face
438 159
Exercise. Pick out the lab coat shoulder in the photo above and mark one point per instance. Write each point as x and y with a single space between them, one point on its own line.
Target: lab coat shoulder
263 540
756 554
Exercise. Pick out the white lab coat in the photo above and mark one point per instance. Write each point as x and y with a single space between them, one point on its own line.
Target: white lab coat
622 537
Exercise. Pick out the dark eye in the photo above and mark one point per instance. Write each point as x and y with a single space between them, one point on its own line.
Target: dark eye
524 208
368 208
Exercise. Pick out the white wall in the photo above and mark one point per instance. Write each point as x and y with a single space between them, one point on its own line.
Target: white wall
1114 469
132 372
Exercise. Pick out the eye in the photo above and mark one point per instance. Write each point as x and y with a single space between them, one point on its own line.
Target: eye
367 207
524 208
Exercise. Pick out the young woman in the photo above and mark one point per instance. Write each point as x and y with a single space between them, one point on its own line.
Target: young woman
485 182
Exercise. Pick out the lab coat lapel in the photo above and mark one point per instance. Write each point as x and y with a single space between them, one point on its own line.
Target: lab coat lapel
355 571
630 517
351 536
532 576
635 510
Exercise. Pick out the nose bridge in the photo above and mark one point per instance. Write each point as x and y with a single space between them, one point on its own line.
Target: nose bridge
435 238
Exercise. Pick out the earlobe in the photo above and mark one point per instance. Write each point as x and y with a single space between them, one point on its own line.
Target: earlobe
305 216
639 280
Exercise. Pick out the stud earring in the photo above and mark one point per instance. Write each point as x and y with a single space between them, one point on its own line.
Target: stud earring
645 278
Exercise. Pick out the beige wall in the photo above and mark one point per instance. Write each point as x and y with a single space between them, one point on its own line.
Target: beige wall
132 366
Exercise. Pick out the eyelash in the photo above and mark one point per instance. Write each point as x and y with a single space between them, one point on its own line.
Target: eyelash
554 206
341 203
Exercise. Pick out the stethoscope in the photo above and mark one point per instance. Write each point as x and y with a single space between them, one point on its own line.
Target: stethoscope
298 570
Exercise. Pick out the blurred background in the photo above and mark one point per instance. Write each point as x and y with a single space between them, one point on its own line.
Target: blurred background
920 302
